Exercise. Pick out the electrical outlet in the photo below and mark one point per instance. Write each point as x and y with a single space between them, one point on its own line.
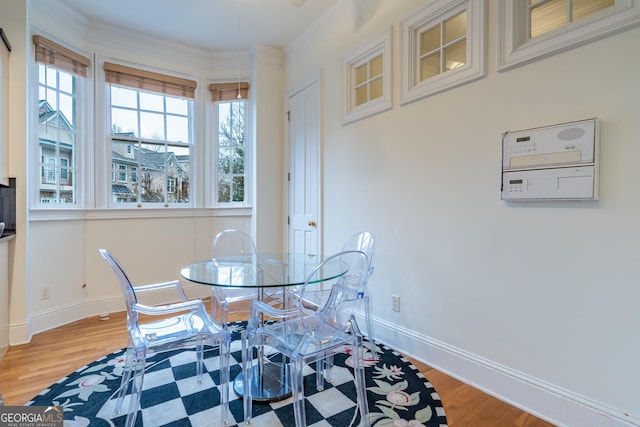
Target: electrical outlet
44 292
395 302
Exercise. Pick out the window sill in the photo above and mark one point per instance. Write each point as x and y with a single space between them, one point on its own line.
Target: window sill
133 213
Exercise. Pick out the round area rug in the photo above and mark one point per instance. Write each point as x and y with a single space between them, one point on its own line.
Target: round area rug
398 394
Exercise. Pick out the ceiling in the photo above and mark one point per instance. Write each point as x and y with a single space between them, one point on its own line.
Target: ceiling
208 24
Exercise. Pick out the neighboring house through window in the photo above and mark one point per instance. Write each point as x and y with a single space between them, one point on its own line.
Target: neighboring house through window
61 76
151 127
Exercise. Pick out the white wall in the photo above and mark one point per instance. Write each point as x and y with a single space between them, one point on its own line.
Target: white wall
534 302
13 20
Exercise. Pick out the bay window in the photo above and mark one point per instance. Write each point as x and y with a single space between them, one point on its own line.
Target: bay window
61 78
230 118
151 136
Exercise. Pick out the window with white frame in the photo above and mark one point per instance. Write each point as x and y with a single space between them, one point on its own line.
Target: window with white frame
230 131
367 79
442 47
122 173
151 131
61 77
532 29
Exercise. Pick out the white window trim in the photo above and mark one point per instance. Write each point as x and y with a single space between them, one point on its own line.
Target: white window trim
249 143
104 195
381 44
474 68
514 49
83 151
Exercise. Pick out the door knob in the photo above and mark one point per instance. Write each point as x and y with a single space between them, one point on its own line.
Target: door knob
312 223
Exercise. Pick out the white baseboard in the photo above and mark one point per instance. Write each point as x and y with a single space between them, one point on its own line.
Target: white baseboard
546 401
21 332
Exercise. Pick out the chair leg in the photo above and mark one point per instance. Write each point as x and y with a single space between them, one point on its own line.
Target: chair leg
320 373
199 360
324 371
297 391
361 389
328 368
136 388
369 319
124 382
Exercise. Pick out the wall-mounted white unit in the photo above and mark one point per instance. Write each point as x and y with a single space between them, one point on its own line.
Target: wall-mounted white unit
558 162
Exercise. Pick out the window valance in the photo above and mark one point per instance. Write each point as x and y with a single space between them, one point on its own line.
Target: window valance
229 91
51 53
147 80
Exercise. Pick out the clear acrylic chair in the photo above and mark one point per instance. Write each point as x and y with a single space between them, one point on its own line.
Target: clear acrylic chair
189 327
315 298
364 241
228 243
306 336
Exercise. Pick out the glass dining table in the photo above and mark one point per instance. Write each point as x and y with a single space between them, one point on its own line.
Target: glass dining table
262 271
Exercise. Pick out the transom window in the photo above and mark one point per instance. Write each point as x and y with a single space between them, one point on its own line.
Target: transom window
532 29
548 15
442 47
367 79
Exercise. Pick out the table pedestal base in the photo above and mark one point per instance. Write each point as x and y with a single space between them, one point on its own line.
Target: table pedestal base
273 385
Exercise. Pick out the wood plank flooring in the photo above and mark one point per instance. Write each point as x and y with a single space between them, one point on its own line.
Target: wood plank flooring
27 369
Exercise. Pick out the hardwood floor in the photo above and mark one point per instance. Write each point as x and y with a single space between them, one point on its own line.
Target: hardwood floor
27 369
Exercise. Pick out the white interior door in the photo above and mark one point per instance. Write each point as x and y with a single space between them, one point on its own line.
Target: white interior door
304 220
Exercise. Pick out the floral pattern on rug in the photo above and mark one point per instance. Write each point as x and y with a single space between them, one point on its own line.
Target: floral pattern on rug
397 393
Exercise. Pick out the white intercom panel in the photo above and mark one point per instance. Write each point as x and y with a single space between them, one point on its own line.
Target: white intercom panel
558 162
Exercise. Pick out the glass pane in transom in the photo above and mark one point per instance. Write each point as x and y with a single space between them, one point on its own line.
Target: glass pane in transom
177 105
123 97
582 8
124 121
430 40
151 102
361 95
178 128
375 88
455 27
375 67
455 55
548 17
361 74
430 66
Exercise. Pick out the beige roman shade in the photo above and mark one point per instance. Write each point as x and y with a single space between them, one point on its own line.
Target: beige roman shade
58 56
229 91
150 81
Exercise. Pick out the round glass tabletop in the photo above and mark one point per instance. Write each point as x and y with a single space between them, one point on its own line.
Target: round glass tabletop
262 270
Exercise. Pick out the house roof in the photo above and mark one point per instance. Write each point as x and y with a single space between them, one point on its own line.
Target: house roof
120 189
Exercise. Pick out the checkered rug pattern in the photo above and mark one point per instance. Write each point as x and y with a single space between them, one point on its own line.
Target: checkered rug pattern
396 392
